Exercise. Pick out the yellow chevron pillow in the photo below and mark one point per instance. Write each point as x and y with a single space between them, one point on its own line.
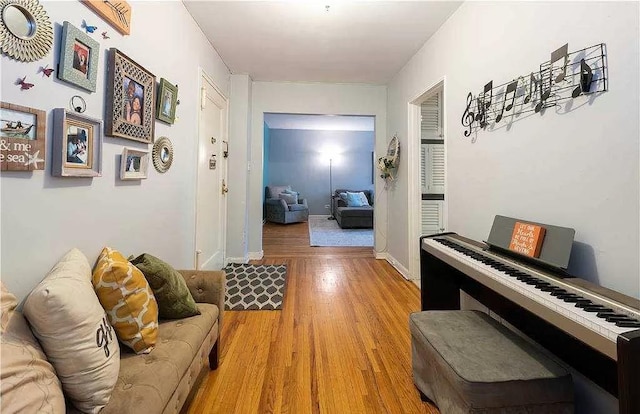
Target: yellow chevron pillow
127 299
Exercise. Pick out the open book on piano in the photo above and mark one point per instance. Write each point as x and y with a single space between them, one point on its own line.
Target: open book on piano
593 329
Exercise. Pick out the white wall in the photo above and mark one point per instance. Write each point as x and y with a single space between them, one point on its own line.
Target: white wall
585 172
43 217
313 98
239 127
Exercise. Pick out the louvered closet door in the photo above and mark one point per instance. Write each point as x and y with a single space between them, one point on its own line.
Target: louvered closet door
431 118
432 174
432 217
432 168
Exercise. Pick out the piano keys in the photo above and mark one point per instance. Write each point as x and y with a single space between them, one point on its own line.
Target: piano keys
595 330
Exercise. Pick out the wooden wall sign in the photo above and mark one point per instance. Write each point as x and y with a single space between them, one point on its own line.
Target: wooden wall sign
116 13
527 239
22 138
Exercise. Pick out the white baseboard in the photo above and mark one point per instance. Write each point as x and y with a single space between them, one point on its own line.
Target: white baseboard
237 260
395 263
256 255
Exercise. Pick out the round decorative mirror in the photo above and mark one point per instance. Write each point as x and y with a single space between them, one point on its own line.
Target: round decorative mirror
26 33
162 154
19 21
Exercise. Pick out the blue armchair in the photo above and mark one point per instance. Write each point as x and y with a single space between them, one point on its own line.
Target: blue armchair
282 205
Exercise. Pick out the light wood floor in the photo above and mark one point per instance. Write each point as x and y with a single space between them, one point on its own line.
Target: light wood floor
340 344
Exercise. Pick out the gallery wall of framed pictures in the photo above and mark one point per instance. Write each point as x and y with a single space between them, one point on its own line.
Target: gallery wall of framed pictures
44 215
132 99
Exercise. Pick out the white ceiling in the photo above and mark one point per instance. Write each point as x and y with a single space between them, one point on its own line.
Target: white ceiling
320 122
353 42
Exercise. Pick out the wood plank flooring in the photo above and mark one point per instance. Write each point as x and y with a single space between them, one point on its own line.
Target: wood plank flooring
341 343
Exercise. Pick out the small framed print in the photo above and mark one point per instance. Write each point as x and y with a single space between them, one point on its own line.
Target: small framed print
77 145
79 55
134 164
130 99
167 101
22 138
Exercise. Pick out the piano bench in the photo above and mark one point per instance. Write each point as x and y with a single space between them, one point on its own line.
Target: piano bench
466 362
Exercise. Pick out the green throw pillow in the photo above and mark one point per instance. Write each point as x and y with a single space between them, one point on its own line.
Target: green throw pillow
168 286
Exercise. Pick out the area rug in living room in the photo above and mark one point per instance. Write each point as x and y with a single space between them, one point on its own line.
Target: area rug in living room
324 232
255 287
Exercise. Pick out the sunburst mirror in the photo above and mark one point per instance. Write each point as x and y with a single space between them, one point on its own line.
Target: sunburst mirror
162 154
26 32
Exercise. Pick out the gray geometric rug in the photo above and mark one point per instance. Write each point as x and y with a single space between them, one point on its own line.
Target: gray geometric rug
255 287
324 232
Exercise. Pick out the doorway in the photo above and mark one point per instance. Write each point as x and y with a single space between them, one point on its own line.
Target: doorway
317 155
211 187
427 169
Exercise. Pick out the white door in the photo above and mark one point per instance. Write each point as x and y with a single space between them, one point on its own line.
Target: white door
211 180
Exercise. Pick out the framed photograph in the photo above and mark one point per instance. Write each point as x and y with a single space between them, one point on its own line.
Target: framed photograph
167 101
79 55
77 145
22 138
134 164
130 99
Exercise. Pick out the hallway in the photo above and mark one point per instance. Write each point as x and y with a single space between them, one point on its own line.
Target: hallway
341 344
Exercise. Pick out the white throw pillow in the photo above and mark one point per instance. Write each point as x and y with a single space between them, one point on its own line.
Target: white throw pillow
363 199
289 198
74 331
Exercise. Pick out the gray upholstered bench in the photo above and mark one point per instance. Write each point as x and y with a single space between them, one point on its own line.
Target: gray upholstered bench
466 362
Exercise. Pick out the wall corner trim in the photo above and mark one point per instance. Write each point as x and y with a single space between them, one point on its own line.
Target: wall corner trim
396 265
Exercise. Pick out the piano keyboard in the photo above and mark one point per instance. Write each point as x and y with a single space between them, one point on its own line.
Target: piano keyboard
568 304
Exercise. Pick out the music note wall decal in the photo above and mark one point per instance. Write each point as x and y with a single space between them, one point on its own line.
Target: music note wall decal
554 82
488 88
511 88
535 84
556 55
468 116
586 77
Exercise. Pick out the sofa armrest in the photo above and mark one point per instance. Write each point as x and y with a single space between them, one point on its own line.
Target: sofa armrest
303 201
207 286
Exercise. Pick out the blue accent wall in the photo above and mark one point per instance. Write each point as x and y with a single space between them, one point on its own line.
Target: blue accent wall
265 163
295 157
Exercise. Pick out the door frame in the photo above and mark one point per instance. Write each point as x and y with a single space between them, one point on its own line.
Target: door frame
414 193
222 163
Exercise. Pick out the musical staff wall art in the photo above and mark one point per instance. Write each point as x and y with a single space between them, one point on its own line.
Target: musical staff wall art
564 77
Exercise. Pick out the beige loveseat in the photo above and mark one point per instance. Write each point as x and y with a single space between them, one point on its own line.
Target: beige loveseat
161 381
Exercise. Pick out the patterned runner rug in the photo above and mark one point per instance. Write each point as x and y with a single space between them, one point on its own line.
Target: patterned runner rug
255 287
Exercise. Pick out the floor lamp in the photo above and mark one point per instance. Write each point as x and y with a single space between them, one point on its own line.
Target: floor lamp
331 217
